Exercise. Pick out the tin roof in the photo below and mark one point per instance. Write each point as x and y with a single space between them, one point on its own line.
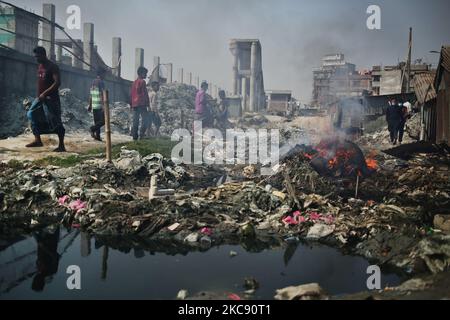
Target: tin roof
444 64
424 86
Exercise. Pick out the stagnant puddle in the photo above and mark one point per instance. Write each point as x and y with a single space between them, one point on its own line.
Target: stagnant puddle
110 274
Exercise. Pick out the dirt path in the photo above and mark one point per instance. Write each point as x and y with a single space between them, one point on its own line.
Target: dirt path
76 143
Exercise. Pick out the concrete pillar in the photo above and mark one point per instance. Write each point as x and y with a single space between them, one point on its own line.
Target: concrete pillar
253 98
88 46
235 85
58 53
197 82
169 73
181 75
244 93
190 78
156 62
77 50
48 30
116 56
139 59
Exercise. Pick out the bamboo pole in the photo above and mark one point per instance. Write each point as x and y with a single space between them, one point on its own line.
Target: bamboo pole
107 125
357 186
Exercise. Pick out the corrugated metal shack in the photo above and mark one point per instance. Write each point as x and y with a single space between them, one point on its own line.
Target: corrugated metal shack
442 85
426 101
433 96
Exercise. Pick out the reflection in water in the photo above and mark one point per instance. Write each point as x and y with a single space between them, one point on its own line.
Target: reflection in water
158 270
85 244
289 252
47 257
105 262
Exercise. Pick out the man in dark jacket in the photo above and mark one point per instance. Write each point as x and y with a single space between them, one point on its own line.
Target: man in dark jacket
393 118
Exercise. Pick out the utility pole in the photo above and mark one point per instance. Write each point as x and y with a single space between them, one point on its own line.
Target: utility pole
408 63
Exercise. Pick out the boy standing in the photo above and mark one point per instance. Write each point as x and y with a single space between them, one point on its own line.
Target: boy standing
96 104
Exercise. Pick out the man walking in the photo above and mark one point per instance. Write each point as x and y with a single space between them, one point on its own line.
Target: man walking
140 104
393 118
96 104
46 118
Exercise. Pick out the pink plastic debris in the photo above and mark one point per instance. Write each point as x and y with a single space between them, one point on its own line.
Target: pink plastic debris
206 231
234 297
329 219
290 221
62 201
314 216
77 205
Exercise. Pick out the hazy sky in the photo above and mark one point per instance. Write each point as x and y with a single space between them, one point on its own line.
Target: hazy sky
295 34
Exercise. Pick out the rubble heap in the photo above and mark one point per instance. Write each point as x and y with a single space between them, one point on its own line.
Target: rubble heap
177 107
176 99
381 136
13 119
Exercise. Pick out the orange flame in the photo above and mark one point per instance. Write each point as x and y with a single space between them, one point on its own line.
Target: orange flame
372 163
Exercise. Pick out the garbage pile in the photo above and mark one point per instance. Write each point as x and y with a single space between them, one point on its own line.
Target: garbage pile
177 107
381 136
28 194
392 218
76 117
14 119
249 120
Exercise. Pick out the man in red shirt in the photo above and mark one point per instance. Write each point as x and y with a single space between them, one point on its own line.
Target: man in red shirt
140 103
49 80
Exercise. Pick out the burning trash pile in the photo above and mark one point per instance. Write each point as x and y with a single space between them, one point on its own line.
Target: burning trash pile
339 159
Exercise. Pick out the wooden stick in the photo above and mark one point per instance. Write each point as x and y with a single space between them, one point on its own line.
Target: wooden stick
107 125
357 186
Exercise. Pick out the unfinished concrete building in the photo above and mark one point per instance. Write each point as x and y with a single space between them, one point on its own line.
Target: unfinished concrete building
19 29
393 79
337 79
248 80
278 101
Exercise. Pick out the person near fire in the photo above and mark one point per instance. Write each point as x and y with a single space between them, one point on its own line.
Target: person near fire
96 104
45 115
139 104
393 118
